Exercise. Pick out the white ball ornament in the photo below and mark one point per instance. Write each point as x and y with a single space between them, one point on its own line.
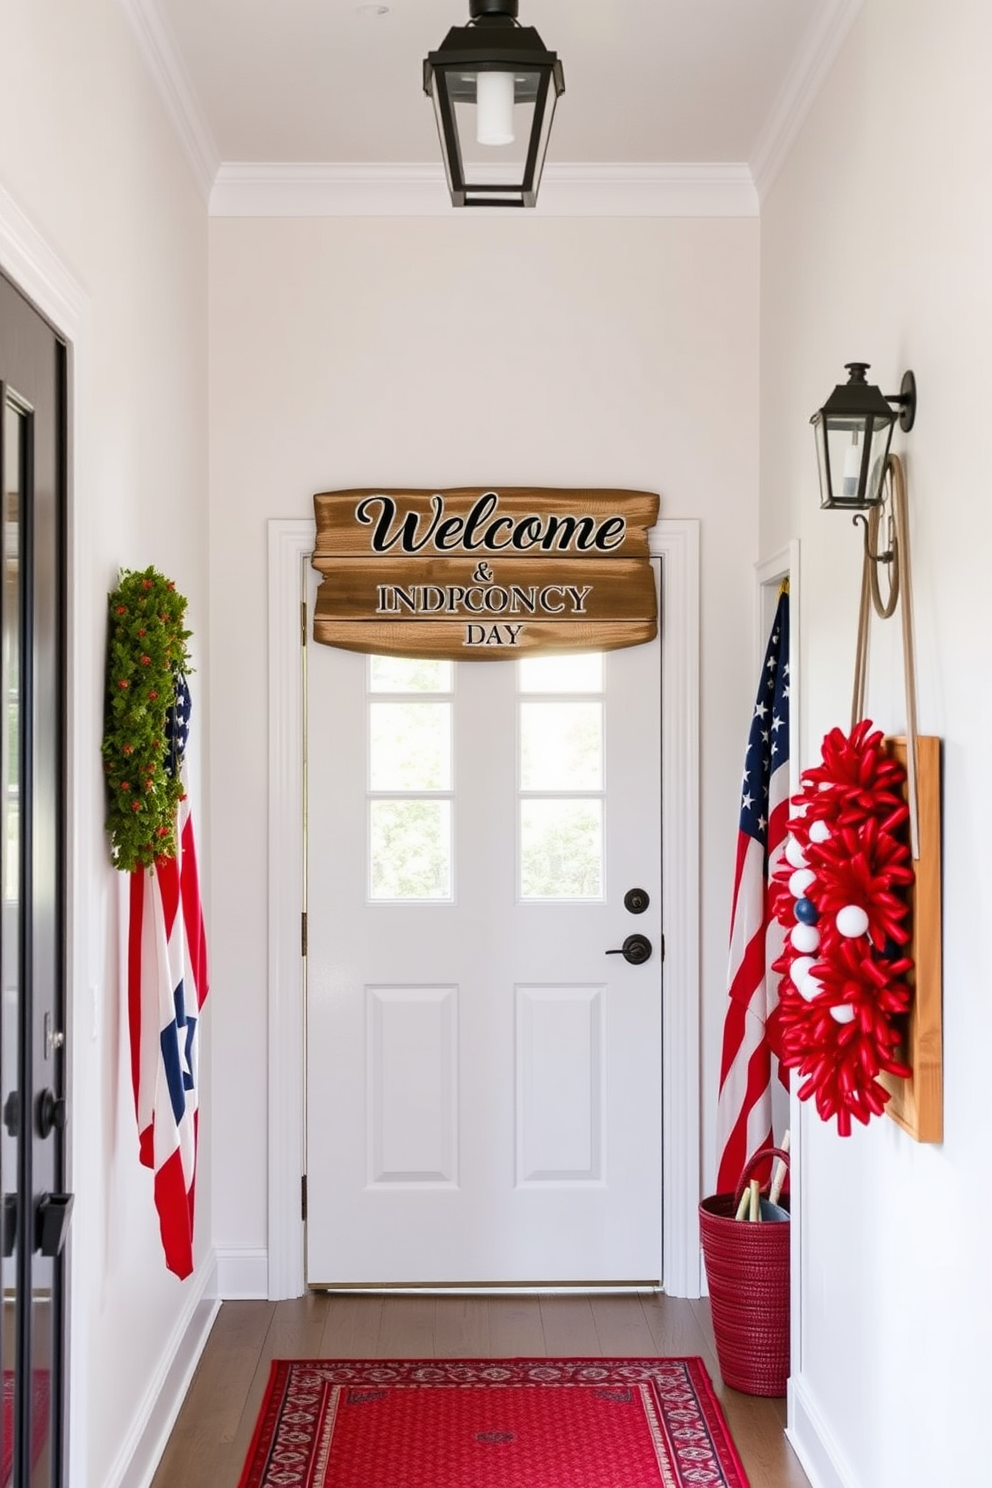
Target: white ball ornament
842 1013
852 921
800 881
811 988
819 832
794 853
805 939
800 969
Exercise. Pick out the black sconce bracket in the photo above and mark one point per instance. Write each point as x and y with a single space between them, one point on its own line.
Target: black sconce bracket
906 398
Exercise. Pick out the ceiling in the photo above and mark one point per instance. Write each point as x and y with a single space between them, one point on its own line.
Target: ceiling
336 81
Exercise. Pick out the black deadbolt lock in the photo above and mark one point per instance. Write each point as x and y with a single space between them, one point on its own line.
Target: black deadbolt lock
636 900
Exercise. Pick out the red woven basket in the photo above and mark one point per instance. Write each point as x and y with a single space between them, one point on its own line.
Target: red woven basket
747 1267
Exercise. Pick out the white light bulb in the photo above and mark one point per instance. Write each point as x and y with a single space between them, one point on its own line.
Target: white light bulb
852 467
494 108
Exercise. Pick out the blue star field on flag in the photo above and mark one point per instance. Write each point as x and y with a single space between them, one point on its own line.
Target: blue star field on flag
768 740
177 726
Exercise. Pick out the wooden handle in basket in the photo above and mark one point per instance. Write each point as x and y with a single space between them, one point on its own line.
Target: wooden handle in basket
752 1162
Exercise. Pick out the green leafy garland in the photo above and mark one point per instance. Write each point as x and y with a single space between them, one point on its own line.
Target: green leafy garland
146 649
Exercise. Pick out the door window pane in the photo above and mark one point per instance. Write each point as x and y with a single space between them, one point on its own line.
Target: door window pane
410 746
561 776
561 849
408 674
410 849
410 774
561 746
569 672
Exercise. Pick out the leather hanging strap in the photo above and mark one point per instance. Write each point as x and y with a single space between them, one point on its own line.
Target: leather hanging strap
896 559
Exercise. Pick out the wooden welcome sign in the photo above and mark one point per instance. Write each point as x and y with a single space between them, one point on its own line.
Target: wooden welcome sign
480 574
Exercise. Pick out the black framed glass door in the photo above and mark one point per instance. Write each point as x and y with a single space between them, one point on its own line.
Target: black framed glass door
35 1206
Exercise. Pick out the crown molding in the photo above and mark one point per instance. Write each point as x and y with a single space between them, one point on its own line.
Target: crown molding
31 262
161 56
823 42
244 189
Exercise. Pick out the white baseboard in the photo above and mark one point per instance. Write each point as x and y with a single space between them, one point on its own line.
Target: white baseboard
242 1275
140 1454
814 1443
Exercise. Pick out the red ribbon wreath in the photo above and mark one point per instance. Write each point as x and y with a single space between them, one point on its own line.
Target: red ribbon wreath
841 893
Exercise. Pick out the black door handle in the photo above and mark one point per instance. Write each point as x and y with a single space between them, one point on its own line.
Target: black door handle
51 1113
52 1222
636 949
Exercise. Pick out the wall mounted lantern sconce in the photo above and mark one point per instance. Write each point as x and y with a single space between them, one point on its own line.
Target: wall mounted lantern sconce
494 86
853 433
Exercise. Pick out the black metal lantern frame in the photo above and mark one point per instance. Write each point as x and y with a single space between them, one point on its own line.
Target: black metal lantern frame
853 433
493 42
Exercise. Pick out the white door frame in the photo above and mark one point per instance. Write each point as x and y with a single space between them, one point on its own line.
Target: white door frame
677 544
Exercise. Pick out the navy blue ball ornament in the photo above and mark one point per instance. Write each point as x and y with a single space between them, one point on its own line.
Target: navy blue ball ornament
806 911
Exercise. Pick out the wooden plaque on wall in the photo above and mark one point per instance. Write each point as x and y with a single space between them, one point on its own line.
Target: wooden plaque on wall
917 1103
479 574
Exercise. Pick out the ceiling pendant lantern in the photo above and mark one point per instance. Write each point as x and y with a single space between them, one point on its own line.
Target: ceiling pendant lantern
494 86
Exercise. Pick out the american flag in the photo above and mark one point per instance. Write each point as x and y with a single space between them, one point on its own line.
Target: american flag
167 986
744 1108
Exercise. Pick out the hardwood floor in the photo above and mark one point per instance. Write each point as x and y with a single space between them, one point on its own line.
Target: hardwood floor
212 1435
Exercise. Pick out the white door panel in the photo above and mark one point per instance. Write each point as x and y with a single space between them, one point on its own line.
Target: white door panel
483 1100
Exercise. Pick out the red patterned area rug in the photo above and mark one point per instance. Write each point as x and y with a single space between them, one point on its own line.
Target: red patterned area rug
41 1390
491 1423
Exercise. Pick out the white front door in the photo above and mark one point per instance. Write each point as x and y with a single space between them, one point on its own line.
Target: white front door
483 1081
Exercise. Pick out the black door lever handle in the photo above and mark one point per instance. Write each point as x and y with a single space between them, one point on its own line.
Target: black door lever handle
636 949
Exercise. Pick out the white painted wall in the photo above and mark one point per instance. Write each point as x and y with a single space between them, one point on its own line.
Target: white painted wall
454 351
876 244
89 163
